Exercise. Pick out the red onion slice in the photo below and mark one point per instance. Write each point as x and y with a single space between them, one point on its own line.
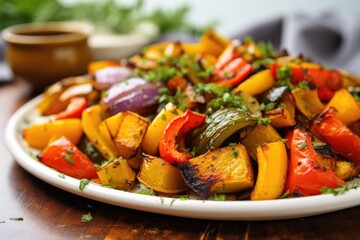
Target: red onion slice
106 77
139 99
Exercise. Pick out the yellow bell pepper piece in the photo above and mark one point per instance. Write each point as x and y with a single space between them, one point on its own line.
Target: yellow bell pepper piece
272 162
90 121
150 143
39 135
348 111
307 102
257 83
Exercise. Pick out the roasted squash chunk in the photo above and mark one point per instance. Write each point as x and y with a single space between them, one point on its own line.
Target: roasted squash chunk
130 134
157 174
221 171
347 170
117 173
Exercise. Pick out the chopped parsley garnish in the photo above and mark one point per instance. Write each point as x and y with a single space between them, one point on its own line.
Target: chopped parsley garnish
267 107
86 217
266 48
219 197
340 190
150 192
17 219
70 150
286 194
83 183
302 145
284 74
69 159
61 175
264 121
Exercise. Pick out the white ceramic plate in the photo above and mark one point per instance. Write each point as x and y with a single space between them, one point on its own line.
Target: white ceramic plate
203 209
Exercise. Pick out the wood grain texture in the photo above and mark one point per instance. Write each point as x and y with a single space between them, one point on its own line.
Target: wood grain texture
51 213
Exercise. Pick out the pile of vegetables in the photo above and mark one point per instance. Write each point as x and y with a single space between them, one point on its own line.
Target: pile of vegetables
216 117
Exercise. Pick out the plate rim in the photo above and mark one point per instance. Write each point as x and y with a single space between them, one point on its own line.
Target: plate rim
196 209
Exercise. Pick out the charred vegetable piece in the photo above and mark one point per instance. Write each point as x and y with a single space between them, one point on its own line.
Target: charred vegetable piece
172 143
220 126
337 135
117 173
283 116
306 176
272 165
258 136
65 157
158 174
347 170
221 171
38 135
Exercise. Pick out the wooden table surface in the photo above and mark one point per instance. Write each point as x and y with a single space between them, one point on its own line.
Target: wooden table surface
33 209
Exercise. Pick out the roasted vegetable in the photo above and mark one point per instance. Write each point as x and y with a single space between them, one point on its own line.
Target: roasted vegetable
348 110
130 131
156 173
150 143
337 135
258 136
90 121
272 168
117 173
75 108
220 126
307 102
284 115
257 83
172 143
305 174
38 135
224 170
347 170
65 157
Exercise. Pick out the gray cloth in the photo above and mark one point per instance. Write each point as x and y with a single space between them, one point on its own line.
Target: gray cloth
331 37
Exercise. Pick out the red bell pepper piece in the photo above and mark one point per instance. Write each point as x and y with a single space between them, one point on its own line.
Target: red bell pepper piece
233 73
306 176
341 139
66 158
174 136
326 81
75 108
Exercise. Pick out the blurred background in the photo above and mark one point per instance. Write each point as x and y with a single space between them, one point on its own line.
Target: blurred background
182 19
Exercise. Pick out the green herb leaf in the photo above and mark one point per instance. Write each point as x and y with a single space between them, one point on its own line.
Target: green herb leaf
17 219
83 183
150 192
68 159
340 190
86 217
219 197
302 145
